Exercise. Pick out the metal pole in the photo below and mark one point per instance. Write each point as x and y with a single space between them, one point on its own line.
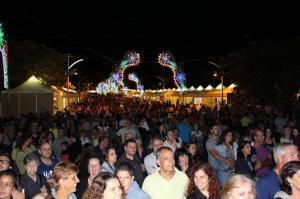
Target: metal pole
222 88
68 79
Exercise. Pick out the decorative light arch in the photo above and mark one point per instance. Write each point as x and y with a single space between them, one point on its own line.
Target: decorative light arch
115 82
166 59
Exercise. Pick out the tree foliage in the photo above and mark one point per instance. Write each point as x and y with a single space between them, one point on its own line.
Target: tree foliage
29 58
269 70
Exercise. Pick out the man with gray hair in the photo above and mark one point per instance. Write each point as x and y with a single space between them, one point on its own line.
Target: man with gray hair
267 186
150 160
167 181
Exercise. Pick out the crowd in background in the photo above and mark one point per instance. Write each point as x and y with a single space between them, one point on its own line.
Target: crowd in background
118 147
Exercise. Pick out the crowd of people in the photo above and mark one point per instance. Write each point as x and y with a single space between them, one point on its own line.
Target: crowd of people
115 147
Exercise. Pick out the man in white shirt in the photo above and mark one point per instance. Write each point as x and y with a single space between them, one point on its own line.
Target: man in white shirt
150 160
171 141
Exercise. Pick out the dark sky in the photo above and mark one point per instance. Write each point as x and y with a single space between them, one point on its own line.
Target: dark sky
101 32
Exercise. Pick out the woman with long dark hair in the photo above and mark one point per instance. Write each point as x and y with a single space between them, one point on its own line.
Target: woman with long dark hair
225 150
289 181
243 164
203 182
23 147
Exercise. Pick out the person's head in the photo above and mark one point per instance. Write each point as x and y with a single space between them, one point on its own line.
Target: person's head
287 131
23 142
94 166
244 149
104 186
226 137
5 162
258 136
128 123
64 146
289 177
103 141
284 153
161 127
170 135
65 177
157 143
192 148
238 187
176 132
215 130
50 136
130 147
45 150
295 132
165 159
268 132
202 178
125 175
110 155
182 158
31 163
8 183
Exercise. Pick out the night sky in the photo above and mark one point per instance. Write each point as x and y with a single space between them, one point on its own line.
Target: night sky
101 33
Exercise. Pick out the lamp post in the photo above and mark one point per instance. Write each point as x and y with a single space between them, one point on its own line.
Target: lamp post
222 77
68 74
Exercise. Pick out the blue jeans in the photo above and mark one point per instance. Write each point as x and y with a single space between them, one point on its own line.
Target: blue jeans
223 176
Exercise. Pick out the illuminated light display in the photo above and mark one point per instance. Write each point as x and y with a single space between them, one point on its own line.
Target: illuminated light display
180 77
166 59
133 77
130 59
115 81
116 77
4 54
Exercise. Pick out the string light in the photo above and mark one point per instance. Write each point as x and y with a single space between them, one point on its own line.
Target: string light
4 53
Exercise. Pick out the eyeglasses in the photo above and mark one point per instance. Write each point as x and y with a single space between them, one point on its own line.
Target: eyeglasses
4 161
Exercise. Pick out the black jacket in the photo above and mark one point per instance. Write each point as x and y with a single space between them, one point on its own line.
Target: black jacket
31 187
197 195
136 166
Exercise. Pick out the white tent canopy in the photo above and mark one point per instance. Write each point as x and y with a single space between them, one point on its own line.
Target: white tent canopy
30 97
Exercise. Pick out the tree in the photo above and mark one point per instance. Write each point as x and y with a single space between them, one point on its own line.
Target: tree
269 70
30 58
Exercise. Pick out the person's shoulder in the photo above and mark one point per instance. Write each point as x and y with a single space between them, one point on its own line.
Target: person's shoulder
149 156
54 161
281 195
270 178
181 174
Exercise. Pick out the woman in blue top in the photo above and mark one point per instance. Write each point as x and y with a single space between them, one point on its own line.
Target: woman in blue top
225 163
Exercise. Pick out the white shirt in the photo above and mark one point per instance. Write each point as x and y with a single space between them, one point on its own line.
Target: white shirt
150 163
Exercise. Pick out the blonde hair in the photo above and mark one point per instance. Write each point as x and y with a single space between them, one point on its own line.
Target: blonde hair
62 171
234 182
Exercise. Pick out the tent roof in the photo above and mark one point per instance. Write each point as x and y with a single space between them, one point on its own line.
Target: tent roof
32 85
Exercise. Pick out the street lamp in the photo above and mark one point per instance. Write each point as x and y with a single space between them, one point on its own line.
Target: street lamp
222 77
68 75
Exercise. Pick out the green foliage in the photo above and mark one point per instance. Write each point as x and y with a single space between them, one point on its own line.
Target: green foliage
30 58
269 70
